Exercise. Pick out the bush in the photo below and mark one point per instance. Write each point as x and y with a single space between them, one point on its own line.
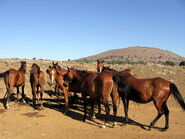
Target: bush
170 63
182 63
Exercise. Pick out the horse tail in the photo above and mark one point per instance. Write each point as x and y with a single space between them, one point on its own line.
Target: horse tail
36 69
177 95
123 88
2 75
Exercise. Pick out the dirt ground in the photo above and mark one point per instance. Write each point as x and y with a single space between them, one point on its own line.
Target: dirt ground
22 121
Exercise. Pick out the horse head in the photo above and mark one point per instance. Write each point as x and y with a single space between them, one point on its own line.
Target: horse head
69 76
51 71
100 65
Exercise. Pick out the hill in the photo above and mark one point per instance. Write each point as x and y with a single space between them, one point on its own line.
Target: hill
137 54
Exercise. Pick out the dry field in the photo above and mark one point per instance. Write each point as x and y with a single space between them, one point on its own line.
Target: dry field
22 121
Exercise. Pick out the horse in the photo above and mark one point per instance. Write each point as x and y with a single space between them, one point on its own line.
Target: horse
100 67
14 78
37 80
143 91
54 71
98 86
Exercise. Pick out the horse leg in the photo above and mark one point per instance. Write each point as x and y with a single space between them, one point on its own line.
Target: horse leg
92 109
155 120
34 95
41 94
119 102
23 95
107 110
99 106
126 104
115 114
160 109
84 97
38 94
17 94
7 105
115 102
57 90
66 97
166 112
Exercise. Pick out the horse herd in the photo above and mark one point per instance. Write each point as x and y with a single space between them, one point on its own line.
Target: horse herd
99 86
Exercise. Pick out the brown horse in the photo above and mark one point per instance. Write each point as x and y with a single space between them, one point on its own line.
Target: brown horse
37 80
56 75
14 78
100 67
143 91
98 86
53 72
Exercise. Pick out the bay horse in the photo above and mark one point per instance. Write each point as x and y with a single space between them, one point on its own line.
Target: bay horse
100 67
56 75
53 71
98 86
14 78
143 91
37 80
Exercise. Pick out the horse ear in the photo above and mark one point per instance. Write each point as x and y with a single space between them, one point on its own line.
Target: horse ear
98 61
56 63
53 62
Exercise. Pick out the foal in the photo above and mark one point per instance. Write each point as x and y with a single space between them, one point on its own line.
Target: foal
14 78
37 79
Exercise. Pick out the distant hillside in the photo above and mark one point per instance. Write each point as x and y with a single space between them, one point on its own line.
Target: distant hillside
137 54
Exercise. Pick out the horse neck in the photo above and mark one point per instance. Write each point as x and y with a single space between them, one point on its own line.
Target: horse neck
61 71
110 71
22 70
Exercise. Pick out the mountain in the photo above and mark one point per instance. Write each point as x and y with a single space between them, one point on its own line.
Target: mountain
137 54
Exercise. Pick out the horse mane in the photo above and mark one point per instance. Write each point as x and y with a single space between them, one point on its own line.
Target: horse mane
22 67
107 68
81 72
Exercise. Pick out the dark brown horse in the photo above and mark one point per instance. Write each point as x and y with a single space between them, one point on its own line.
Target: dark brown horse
37 80
14 78
143 91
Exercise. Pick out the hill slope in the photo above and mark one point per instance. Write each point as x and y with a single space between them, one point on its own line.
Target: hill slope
136 54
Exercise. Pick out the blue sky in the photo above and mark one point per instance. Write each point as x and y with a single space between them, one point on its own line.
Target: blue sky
71 29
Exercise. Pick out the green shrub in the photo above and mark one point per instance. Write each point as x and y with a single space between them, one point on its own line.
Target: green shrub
170 63
182 63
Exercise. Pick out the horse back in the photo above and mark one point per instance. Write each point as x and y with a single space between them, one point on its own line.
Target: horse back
15 78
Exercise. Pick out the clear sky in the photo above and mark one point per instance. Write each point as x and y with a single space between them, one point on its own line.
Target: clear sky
71 29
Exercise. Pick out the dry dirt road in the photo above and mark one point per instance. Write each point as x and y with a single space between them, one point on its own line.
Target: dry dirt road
22 121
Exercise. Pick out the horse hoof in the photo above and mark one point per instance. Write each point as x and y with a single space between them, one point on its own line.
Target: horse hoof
164 129
7 107
149 129
124 124
102 126
23 101
114 125
93 117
